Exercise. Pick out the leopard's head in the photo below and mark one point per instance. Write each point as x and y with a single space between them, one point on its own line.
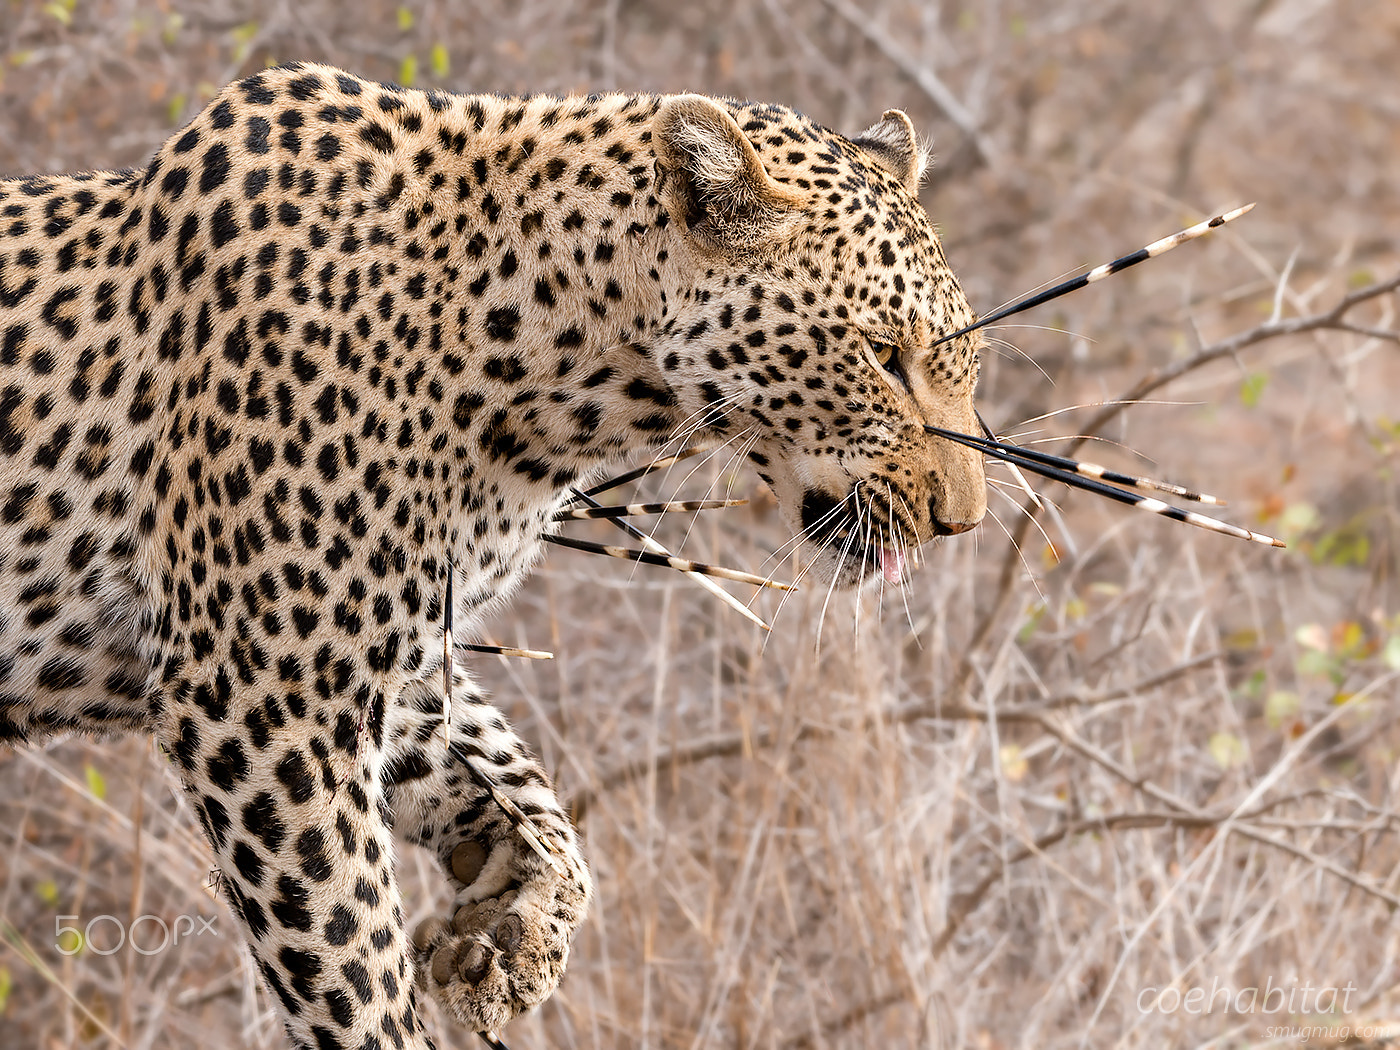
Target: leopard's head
810 337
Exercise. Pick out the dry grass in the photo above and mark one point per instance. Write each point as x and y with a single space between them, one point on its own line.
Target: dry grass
994 808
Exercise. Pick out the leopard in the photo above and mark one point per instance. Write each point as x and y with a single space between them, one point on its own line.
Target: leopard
281 406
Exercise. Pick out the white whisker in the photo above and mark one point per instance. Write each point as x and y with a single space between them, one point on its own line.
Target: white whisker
1049 504
1012 431
1020 554
845 552
1018 352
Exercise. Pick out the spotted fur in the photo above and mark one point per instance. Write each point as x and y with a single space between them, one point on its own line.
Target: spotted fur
257 395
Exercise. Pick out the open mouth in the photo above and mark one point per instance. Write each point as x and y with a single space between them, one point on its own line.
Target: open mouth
861 548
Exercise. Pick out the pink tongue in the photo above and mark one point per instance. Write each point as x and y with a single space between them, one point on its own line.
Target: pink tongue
892 565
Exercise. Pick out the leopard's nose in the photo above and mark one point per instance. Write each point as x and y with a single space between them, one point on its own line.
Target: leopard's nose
954 528
953 511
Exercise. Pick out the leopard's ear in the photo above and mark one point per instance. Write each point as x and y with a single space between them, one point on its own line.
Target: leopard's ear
714 183
894 145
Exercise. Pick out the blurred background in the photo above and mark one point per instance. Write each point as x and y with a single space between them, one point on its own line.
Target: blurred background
1079 766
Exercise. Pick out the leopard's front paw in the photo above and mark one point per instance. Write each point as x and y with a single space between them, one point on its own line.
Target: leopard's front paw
506 945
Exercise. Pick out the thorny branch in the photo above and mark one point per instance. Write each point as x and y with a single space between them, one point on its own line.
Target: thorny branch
730 745
927 80
1334 319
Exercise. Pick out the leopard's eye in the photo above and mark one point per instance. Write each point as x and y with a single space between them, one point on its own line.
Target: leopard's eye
888 356
884 352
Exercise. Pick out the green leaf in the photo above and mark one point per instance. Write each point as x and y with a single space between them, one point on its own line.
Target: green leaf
1013 763
96 784
1242 640
1296 519
1254 684
174 22
1358 551
1351 644
177 107
243 37
1316 664
408 70
1033 617
1227 749
1281 707
48 891
1344 547
5 985
1390 655
61 13
439 61
405 20
1252 387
